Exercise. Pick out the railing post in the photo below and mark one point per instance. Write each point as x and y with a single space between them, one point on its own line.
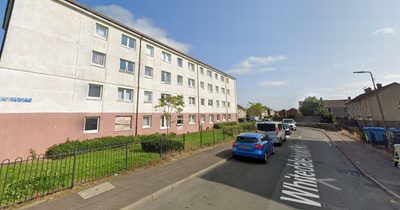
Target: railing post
201 139
214 136
184 142
161 148
126 156
74 170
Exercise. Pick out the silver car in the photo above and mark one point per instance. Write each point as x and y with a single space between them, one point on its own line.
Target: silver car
274 130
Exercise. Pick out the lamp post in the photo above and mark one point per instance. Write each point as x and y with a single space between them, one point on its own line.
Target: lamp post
377 97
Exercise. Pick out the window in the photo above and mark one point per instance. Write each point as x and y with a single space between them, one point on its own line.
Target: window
223 91
146 121
148 72
123 123
216 76
209 73
149 50
191 66
192 119
217 117
180 80
164 122
126 66
229 116
209 88
166 57
202 101
216 89
191 101
217 103
203 118
229 104
191 82
98 59
202 85
101 31
92 124
163 95
127 42
180 62
124 95
179 120
210 102
95 91
224 117
227 80
148 96
165 77
222 78
223 104
211 119
201 70
227 91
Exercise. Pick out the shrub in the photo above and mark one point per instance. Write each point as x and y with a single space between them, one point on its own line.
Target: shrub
167 145
221 125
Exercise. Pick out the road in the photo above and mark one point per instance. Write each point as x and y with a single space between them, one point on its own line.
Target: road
307 172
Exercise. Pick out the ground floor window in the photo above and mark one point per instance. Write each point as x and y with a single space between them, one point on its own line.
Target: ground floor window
179 120
217 117
203 118
146 121
92 124
211 119
224 117
123 123
164 122
192 119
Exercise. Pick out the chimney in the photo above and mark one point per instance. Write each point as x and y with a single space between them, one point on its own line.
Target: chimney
367 90
379 85
349 98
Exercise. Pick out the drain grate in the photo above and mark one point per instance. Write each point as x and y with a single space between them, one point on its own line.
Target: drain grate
350 173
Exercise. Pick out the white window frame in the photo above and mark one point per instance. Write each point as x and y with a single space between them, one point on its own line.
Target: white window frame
192 101
224 117
179 118
124 95
222 78
191 83
149 49
202 102
95 97
149 125
127 66
229 116
229 104
203 118
146 70
217 103
217 117
179 59
128 41
99 54
223 104
216 76
192 119
216 89
227 91
164 95
201 70
97 34
181 80
166 57
163 120
209 73
211 119
223 91
210 102
191 66
166 78
145 97
209 88
91 131
227 80
202 85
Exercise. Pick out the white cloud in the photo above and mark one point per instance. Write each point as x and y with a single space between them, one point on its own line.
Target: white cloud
391 76
385 31
274 83
255 65
143 25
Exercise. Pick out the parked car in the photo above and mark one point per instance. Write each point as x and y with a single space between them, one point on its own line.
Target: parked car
288 131
291 123
272 129
266 119
242 120
255 145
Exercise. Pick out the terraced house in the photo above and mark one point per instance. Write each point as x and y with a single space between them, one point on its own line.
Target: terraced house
67 71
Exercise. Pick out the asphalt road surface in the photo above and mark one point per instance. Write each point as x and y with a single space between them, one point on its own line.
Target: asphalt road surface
306 172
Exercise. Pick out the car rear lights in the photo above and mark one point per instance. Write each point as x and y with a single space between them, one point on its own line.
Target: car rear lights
258 146
234 144
277 131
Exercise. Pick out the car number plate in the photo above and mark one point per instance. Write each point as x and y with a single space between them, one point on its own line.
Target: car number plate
245 147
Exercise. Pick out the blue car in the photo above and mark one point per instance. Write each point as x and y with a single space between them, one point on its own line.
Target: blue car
255 145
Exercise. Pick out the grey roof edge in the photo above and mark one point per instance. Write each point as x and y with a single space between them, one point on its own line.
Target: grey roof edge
141 34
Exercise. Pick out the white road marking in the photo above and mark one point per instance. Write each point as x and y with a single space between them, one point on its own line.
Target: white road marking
323 181
327 141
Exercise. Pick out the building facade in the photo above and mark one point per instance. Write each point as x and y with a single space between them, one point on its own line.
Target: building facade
70 72
365 106
241 112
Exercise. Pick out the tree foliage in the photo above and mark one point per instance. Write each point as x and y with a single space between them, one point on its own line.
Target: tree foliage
312 106
170 106
255 109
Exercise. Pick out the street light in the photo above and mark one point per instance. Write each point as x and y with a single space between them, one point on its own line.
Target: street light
377 97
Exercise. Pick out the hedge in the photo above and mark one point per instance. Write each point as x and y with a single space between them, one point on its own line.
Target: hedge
221 125
167 145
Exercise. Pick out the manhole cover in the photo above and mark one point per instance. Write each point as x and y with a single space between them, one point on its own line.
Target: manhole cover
350 173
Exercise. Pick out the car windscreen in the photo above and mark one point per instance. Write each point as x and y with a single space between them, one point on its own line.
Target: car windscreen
285 125
243 139
266 127
288 121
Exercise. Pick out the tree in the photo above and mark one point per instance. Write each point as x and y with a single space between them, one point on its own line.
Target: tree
170 106
255 109
312 104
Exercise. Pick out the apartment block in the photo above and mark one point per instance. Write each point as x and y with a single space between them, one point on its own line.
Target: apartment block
67 71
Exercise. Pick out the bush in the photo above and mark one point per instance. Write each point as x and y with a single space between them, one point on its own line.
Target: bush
221 125
167 145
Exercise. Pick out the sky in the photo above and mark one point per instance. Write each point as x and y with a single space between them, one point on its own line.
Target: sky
280 52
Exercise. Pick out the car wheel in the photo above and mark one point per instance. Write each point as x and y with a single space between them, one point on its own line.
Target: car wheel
265 161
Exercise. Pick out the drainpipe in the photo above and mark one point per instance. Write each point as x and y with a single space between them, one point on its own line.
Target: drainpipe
198 97
138 86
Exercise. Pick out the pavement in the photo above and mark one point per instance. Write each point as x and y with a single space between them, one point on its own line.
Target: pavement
135 189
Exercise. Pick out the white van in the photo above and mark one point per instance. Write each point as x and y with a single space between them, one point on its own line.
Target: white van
273 129
291 123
